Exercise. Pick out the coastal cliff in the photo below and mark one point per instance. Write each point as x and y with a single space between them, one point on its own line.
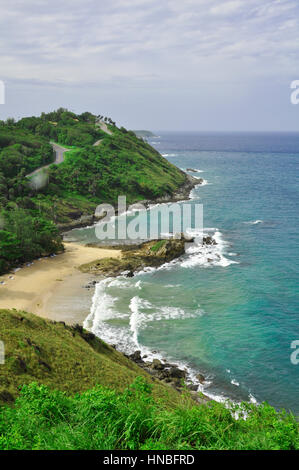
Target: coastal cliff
96 162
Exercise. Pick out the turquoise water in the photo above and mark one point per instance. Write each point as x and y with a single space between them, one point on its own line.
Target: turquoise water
233 318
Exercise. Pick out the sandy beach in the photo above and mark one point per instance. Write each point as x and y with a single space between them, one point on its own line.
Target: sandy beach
54 287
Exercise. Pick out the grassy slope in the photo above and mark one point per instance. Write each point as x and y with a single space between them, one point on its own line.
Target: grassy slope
102 418
110 412
58 356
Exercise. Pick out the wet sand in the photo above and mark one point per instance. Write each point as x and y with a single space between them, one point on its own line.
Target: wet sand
53 287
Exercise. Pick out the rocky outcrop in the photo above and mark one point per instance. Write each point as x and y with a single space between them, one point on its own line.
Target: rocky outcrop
170 374
149 254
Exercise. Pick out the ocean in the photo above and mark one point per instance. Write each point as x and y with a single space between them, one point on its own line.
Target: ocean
229 311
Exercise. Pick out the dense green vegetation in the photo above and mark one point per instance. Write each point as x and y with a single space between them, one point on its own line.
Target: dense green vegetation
101 418
73 391
121 164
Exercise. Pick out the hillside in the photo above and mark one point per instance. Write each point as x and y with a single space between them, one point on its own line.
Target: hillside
102 162
63 358
119 406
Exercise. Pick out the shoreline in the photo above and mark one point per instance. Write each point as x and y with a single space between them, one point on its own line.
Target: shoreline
65 295
35 286
181 194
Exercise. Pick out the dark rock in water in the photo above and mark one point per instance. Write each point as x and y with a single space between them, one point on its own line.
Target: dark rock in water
130 274
208 241
145 356
191 169
177 373
136 356
200 378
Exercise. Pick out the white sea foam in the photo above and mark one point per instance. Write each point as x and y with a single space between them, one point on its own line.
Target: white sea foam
195 170
234 382
123 329
203 182
193 193
141 313
254 222
208 255
169 154
252 399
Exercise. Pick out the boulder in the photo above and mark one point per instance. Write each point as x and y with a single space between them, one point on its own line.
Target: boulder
177 373
200 378
136 356
157 365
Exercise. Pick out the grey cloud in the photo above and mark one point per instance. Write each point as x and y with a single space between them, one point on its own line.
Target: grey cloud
170 45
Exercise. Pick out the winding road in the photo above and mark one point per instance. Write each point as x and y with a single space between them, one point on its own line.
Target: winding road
59 151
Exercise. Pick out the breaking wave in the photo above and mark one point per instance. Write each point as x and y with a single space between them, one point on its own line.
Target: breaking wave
254 222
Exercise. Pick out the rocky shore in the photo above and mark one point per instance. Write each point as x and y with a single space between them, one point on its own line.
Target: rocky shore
170 374
135 258
182 194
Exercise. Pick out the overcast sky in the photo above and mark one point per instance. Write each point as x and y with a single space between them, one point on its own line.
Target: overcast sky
154 64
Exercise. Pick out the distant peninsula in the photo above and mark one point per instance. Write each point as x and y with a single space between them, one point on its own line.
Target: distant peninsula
144 134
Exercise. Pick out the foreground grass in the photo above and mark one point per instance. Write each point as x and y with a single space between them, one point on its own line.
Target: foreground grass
101 418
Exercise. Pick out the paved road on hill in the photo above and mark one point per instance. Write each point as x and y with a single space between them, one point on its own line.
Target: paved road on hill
59 151
104 127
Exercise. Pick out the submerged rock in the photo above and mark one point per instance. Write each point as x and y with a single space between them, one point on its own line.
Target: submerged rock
200 378
209 241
